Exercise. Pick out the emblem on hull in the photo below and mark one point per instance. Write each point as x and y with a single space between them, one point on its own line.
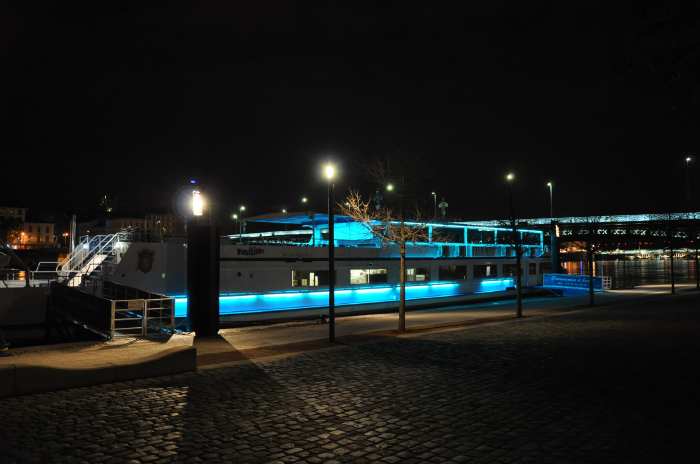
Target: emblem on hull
145 263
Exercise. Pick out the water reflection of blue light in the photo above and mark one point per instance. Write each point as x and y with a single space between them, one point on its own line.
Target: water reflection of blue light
305 299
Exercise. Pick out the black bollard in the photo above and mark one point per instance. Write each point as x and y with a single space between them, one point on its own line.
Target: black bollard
203 250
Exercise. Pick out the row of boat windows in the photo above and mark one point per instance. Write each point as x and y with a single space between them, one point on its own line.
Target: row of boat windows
378 276
475 236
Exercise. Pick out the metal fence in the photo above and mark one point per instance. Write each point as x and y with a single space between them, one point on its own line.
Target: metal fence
141 317
115 310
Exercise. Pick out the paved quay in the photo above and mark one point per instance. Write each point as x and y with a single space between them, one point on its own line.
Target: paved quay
618 383
54 367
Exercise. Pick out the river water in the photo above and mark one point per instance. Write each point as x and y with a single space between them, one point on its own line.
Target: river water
628 273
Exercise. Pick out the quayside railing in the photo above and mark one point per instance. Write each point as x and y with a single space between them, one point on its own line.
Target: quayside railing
116 310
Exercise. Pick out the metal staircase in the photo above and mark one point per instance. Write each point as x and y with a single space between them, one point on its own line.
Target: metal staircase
88 258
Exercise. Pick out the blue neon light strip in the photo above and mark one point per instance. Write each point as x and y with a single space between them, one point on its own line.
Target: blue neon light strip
230 304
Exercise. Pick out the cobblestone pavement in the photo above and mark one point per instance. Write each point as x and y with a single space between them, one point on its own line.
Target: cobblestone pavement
615 384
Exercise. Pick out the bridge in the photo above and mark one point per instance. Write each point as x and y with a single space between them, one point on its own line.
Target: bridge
622 231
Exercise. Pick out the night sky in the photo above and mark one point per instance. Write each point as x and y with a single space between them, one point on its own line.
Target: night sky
250 97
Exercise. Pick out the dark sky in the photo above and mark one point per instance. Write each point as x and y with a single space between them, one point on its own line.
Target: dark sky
249 97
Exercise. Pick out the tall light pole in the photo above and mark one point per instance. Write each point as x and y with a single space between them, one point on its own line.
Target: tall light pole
305 203
434 194
689 207
688 160
234 218
402 256
553 242
329 174
510 178
241 210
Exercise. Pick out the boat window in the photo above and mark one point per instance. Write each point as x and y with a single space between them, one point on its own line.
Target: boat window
420 274
485 270
478 236
509 270
309 278
505 237
453 272
448 234
531 238
368 276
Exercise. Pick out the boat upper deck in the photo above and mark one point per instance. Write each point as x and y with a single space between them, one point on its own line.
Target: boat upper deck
445 239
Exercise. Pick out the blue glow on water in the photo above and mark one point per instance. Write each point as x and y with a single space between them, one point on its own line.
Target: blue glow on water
305 299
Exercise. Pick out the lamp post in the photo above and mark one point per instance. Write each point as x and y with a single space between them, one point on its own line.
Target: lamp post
203 255
510 178
402 256
688 160
241 210
329 174
434 194
553 242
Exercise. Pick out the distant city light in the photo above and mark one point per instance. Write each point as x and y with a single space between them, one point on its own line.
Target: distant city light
304 200
193 181
284 211
510 177
390 187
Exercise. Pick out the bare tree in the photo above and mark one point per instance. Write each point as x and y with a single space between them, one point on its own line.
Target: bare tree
385 226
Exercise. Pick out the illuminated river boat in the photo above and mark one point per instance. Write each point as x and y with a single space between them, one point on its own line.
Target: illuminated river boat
284 267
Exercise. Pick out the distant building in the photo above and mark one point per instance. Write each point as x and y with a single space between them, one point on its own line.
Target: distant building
152 226
13 213
163 225
110 225
35 235
22 234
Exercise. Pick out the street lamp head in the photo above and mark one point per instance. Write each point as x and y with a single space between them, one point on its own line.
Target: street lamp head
550 185
304 200
242 208
389 187
284 211
329 171
510 177
688 159
433 194
234 216
197 203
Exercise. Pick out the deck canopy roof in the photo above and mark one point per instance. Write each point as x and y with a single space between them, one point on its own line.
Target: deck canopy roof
297 218
311 219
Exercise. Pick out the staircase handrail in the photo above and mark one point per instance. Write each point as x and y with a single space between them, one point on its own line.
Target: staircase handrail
88 248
